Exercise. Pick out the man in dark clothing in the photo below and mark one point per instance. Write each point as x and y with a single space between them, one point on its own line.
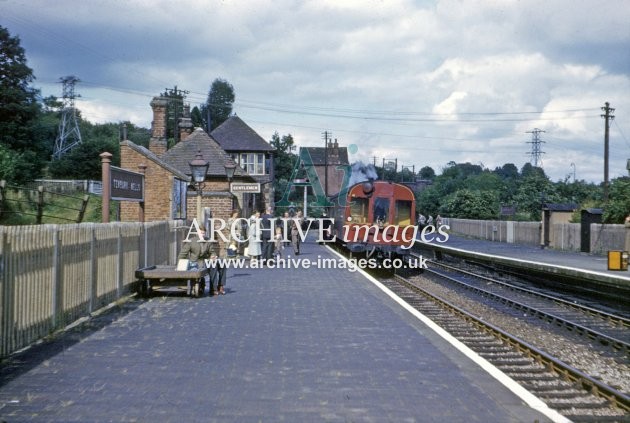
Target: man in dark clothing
267 236
217 268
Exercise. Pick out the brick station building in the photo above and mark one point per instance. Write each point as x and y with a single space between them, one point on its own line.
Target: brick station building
169 193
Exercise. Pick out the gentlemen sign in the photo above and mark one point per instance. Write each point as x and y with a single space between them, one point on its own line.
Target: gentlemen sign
253 188
126 185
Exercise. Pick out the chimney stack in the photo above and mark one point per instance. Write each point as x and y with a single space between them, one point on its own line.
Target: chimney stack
157 144
185 124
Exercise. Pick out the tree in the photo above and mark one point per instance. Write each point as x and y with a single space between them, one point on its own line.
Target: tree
284 157
470 204
618 206
507 171
426 172
196 117
83 161
19 112
219 103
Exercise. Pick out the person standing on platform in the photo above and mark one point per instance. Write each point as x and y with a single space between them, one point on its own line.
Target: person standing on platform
253 234
234 235
217 269
422 221
267 236
438 221
278 244
195 250
286 228
296 222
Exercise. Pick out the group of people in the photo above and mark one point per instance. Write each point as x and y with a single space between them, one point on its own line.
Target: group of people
262 244
266 243
424 221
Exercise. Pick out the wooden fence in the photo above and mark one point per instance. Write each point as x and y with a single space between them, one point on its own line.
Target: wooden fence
563 236
52 275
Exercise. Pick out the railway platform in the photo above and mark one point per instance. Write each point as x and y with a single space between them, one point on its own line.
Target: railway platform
590 268
295 345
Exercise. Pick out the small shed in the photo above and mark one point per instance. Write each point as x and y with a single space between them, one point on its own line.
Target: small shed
554 213
588 216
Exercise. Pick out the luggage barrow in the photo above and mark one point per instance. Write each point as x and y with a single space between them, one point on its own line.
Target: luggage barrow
162 276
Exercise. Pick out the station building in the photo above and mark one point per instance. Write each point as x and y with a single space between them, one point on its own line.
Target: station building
169 192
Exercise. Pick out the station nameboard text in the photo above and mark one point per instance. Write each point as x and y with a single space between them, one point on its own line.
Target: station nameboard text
253 188
126 185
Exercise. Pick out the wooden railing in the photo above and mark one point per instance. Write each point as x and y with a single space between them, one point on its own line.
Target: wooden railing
52 275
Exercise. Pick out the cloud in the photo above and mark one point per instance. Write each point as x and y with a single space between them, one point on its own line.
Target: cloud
425 81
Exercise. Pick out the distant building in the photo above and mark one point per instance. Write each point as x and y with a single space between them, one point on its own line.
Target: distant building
325 161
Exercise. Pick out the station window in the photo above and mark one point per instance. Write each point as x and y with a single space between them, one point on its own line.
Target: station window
381 209
403 213
359 210
253 163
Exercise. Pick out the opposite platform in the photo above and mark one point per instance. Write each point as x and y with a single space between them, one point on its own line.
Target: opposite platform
592 269
305 345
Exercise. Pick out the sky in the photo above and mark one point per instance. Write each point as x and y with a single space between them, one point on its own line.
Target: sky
421 82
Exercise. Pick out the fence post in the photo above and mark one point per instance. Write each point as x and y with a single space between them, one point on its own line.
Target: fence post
2 185
83 207
93 270
119 281
57 285
106 159
40 204
6 300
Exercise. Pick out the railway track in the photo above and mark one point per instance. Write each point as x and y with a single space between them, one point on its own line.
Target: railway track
563 387
608 329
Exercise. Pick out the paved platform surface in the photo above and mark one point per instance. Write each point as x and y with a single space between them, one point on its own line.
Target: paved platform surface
574 260
307 345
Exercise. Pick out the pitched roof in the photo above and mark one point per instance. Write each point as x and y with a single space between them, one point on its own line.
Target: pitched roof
236 135
560 207
318 155
180 155
151 156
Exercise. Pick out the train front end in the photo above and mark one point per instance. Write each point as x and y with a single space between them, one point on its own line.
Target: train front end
378 219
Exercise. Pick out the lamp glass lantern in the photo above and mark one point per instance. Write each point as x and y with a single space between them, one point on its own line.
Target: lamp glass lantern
198 171
199 168
230 168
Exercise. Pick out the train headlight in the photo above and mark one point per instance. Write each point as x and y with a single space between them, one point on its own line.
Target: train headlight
368 188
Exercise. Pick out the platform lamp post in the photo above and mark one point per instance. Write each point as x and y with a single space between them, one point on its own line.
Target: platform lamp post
198 171
230 167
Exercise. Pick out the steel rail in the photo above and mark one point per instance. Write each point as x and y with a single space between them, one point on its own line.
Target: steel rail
583 330
595 387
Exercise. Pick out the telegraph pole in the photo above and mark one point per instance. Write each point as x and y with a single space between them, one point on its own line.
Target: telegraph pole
326 134
608 116
176 99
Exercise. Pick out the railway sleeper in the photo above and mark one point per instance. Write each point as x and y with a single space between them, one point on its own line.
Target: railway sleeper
588 401
549 384
567 393
506 353
491 349
516 361
600 418
529 368
520 376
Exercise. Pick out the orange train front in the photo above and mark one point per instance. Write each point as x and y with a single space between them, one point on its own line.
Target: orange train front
376 218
